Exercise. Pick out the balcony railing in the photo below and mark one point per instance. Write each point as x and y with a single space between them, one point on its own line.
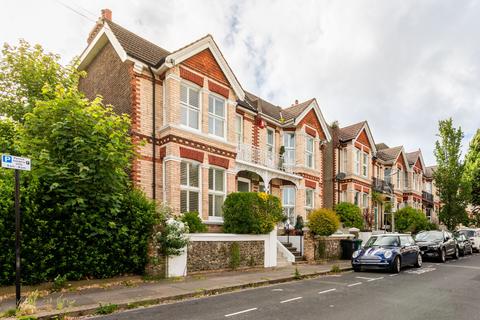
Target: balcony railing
380 185
427 196
256 155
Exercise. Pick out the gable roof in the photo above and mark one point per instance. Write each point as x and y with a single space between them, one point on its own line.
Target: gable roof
381 146
296 110
412 157
136 46
389 155
429 171
350 132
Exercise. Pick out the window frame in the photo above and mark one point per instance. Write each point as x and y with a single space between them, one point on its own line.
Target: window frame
357 161
309 207
289 149
272 146
310 153
188 188
189 107
365 160
289 205
217 117
238 135
215 193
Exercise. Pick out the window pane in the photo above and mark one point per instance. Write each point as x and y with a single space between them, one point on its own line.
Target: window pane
210 178
183 201
184 115
183 173
243 186
219 179
210 205
210 104
194 175
211 128
193 201
193 121
220 108
193 98
218 206
183 94
219 127
269 137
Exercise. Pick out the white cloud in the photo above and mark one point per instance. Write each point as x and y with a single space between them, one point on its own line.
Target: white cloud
401 65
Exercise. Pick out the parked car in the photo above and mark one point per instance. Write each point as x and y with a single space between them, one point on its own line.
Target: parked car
387 251
473 235
463 244
437 244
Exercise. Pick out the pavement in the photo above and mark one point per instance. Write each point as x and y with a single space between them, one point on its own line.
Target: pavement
131 293
435 291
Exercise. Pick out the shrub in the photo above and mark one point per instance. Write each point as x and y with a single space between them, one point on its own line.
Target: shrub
193 221
251 213
172 239
350 215
412 220
323 222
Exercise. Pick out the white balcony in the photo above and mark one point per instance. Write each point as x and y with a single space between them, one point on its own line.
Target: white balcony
262 157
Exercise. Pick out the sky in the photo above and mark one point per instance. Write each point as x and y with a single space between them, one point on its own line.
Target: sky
401 65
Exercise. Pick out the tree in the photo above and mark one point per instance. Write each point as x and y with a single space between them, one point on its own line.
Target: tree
28 75
449 174
472 176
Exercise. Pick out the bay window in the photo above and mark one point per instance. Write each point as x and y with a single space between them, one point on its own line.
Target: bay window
189 186
289 144
309 153
190 106
216 116
216 192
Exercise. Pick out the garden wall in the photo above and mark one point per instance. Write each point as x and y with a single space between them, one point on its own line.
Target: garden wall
213 251
321 248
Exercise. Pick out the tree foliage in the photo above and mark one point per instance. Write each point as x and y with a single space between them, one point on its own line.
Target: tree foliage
251 213
323 222
350 215
81 215
28 74
472 176
412 220
449 174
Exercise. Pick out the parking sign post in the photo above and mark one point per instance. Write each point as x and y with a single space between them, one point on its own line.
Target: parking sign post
17 163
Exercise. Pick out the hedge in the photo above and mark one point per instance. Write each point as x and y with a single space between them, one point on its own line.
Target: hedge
251 213
323 222
350 215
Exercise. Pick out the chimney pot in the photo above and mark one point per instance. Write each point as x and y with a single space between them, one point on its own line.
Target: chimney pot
296 101
107 14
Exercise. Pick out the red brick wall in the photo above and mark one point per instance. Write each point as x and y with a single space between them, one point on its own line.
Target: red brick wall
109 77
204 62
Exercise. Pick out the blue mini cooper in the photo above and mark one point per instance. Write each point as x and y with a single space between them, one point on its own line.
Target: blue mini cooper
389 252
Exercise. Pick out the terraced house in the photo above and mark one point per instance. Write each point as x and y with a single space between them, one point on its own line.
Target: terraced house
198 134
376 176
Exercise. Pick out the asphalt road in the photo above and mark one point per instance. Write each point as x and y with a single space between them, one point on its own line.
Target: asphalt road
435 291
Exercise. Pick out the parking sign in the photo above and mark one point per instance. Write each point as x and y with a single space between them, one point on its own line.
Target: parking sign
18 163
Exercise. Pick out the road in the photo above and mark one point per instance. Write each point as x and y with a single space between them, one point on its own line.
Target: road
435 291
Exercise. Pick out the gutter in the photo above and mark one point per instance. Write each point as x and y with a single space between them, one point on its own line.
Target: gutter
154 165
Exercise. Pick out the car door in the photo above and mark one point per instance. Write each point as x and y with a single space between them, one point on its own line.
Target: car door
407 250
449 243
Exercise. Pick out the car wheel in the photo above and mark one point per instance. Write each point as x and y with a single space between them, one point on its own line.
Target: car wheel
397 265
419 262
455 254
443 256
471 250
356 269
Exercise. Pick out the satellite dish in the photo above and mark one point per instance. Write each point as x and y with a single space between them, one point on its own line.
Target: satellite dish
340 176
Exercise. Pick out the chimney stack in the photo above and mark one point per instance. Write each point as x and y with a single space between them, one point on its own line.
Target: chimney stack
296 101
107 14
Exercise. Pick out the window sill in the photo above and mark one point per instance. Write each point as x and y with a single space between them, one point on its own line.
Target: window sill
213 220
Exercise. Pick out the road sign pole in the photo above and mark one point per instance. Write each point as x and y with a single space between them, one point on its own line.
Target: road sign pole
17 237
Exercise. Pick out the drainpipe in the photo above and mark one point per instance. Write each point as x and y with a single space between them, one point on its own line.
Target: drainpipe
154 165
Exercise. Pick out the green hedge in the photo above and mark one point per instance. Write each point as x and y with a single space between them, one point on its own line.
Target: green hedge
251 213
323 222
350 215
193 221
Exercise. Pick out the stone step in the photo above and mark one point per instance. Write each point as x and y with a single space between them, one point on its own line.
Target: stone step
287 244
292 249
297 254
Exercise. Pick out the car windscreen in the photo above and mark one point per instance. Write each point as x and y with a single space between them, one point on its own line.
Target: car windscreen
429 236
382 241
467 233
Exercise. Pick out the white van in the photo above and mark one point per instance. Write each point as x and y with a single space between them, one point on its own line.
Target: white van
474 236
